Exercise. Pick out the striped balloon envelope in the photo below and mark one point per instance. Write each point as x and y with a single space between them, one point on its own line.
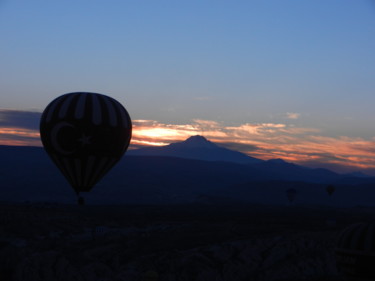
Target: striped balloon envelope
355 252
85 135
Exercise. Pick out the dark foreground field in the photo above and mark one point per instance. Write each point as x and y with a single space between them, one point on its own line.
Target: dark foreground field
171 243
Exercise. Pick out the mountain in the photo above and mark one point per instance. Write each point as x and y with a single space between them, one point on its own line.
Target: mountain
358 175
279 169
27 174
199 148
196 147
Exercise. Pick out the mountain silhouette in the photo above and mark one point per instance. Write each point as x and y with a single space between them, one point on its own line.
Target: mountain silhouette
199 148
27 174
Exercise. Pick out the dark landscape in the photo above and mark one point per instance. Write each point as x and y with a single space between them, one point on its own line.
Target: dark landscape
165 217
166 179
180 242
187 140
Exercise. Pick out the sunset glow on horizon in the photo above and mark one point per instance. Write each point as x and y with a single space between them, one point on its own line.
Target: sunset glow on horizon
272 79
261 140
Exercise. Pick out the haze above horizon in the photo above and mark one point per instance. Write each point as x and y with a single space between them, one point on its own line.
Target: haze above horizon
273 79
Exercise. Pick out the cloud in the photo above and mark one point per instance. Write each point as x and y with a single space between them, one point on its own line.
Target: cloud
301 145
255 129
244 147
19 127
19 119
272 140
16 136
338 168
292 115
206 123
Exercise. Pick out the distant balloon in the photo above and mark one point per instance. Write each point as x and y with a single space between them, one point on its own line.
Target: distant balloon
85 134
355 252
291 194
330 189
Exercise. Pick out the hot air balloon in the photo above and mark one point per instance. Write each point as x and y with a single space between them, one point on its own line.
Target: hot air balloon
291 194
355 252
85 135
330 189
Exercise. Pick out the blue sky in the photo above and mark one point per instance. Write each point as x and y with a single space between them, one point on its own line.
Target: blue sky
307 65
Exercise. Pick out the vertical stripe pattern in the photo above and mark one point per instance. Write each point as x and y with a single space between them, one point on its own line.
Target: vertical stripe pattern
355 252
101 108
65 106
111 112
96 111
85 134
50 110
80 107
357 237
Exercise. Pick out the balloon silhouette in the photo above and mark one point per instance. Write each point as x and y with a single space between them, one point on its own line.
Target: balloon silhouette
85 135
355 252
291 194
330 189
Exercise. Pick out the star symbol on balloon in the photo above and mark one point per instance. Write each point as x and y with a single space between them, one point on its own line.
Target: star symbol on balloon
85 140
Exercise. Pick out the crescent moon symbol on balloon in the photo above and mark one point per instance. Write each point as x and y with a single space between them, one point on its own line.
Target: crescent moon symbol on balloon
54 132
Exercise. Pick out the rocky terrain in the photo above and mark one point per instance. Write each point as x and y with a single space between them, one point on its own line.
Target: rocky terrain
169 243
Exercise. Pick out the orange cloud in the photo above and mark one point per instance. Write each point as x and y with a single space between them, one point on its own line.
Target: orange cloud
261 140
292 115
19 137
267 141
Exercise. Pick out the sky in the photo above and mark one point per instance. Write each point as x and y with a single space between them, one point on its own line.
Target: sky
286 79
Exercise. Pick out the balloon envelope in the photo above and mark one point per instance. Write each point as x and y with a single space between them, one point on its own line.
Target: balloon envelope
355 252
85 134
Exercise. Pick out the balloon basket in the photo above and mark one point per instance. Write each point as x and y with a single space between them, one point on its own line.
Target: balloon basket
81 201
